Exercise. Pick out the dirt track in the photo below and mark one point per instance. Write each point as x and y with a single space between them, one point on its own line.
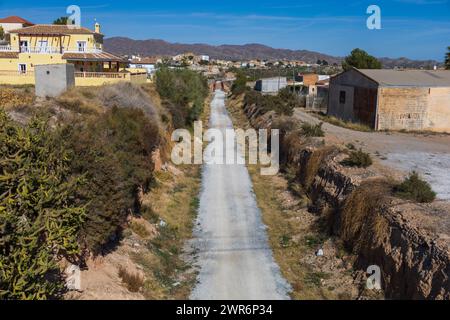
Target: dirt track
426 154
234 256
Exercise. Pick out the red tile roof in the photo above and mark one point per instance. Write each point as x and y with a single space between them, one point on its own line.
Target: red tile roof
9 55
52 29
16 19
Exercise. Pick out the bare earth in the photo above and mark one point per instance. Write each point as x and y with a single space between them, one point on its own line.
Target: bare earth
234 257
427 154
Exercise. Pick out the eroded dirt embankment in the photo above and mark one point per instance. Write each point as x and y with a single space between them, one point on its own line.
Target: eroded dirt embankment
406 240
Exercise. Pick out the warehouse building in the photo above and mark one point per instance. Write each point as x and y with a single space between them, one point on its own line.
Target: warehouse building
392 99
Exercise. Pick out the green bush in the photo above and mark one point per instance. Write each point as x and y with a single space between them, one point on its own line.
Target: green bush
416 189
312 130
358 159
240 84
283 103
184 92
39 216
113 151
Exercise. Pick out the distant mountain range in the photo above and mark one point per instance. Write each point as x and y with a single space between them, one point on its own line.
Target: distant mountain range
152 47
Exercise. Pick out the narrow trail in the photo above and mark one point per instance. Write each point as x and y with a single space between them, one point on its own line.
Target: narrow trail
234 256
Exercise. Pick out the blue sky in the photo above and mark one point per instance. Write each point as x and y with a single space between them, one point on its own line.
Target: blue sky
418 29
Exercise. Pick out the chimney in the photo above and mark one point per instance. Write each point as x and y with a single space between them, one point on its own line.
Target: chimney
97 27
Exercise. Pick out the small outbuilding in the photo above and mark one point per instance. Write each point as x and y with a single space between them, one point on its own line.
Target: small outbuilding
271 85
53 79
392 99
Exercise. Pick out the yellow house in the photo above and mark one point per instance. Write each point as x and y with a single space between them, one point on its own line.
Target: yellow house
53 44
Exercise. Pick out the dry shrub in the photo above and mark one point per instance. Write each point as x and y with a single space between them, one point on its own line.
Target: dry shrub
133 281
362 224
80 100
11 98
310 167
313 130
285 124
127 95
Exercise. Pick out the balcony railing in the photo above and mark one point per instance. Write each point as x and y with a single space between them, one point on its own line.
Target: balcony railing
46 50
108 75
12 73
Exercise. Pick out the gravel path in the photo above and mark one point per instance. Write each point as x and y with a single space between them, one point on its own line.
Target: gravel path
234 256
427 154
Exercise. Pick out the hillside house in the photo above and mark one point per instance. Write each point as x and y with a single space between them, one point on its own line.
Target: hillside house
392 99
147 63
60 44
14 22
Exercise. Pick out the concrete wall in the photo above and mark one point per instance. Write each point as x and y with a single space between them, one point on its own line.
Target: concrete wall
438 115
52 80
414 109
341 110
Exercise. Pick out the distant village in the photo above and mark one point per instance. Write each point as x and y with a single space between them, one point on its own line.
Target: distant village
399 99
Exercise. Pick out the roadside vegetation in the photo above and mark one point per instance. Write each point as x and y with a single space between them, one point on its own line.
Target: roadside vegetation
184 92
77 167
416 189
358 158
312 130
345 124
295 233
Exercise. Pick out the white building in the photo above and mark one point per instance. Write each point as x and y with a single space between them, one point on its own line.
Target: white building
148 63
13 23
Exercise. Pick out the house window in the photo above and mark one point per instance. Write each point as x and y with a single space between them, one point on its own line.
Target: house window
23 46
42 46
342 97
81 46
22 68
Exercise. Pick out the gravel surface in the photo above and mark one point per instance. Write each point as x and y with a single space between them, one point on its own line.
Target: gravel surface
233 253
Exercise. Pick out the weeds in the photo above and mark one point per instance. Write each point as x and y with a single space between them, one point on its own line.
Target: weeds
133 281
416 189
313 130
345 124
358 159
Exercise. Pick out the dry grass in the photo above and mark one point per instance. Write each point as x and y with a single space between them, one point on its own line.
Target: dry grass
173 201
133 281
80 100
309 169
362 225
345 124
13 97
291 229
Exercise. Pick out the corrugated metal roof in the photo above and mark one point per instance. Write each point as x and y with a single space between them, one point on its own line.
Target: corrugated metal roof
408 78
